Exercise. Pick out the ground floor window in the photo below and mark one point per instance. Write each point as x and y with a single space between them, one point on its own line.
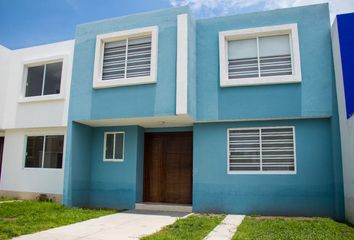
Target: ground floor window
44 151
261 150
114 146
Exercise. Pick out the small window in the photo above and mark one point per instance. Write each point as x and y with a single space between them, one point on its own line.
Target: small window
114 146
43 80
261 150
259 56
126 58
44 151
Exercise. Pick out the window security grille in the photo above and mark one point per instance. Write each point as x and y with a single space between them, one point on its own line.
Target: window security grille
259 57
262 149
127 58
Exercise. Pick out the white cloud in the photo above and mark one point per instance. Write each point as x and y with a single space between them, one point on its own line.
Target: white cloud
209 8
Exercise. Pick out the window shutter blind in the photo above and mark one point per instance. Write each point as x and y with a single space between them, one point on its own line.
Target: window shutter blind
262 149
275 57
244 150
259 57
114 59
139 57
278 149
243 60
127 58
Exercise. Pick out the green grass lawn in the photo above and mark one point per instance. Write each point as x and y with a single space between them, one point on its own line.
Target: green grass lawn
293 229
194 227
19 218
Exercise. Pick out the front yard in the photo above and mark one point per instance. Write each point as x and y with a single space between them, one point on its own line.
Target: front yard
24 217
293 229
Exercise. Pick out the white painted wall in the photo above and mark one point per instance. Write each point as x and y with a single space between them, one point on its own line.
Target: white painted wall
44 111
4 71
346 128
15 177
20 117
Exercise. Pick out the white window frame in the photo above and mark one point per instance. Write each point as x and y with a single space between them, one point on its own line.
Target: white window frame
122 35
260 172
114 147
43 155
39 62
226 36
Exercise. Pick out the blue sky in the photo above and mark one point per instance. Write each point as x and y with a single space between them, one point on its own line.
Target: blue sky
25 23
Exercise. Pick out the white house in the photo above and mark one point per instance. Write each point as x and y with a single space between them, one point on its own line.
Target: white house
34 98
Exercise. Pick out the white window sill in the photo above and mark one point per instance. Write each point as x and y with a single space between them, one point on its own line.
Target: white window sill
259 81
42 169
123 82
113 160
53 97
261 173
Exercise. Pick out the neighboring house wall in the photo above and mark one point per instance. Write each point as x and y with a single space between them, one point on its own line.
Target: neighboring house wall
46 111
343 51
15 177
4 70
32 116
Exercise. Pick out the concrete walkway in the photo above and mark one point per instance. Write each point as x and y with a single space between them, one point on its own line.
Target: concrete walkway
226 229
131 224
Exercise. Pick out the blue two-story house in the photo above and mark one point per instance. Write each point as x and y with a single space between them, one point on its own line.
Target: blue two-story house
232 114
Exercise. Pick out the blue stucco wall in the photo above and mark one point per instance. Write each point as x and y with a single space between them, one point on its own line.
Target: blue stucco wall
77 165
346 39
114 184
315 190
89 181
158 99
312 97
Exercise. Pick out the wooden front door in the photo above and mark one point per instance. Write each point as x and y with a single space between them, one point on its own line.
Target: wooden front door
1 152
168 167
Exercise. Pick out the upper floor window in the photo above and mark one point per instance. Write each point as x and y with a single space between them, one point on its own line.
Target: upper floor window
44 151
266 55
126 58
43 79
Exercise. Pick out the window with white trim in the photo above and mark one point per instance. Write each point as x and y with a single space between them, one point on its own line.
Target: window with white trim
261 150
44 151
44 79
114 146
126 58
259 56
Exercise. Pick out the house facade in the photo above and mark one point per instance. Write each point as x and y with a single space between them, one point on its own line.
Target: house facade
34 93
343 51
232 114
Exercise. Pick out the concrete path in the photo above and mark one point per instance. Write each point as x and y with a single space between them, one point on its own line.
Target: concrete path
226 229
131 224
